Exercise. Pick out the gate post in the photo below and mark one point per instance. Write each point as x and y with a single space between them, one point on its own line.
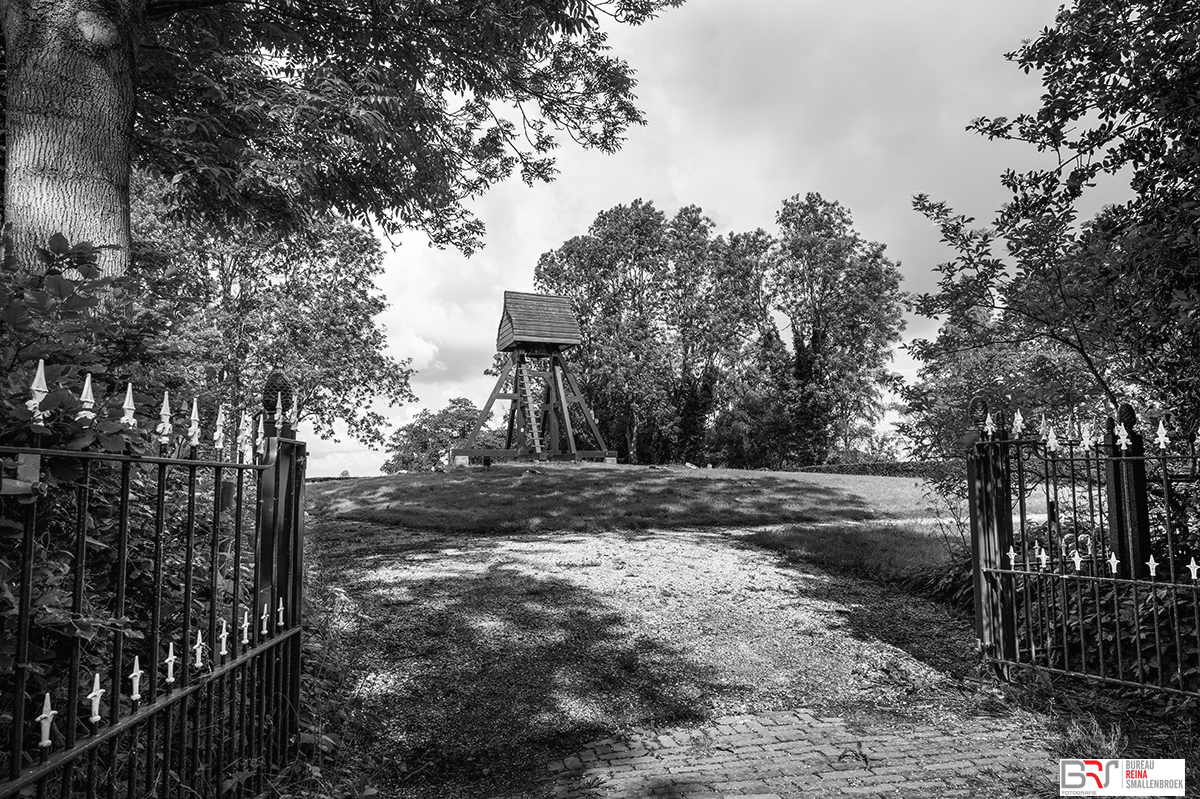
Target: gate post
1128 508
990 504
279 562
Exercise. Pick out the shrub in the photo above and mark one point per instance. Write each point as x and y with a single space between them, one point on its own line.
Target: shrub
927 469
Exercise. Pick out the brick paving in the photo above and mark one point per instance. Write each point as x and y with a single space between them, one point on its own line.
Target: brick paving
798 754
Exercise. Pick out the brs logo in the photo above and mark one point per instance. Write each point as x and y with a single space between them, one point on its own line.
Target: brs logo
1074 774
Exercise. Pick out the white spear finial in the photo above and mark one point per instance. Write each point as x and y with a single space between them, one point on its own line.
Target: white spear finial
95 695
1052 440
46 718
219 432
170 661
1153 564
224 636
128 407
279 614
198 649
245 626
1163 439
1122 436
244 445
38 386
265 617
39 389
294 415
136 677
164 421
194 427
1018 424
278 408
86 401
262 438
989 426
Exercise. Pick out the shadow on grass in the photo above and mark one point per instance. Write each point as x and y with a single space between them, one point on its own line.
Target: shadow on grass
877 549
877 607
477 676
585 498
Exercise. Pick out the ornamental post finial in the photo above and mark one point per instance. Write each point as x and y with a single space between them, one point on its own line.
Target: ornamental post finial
1122 436
135 677
39 389
244 444
194 426
95 695
128 407
164 421
46 719
219 432
86 401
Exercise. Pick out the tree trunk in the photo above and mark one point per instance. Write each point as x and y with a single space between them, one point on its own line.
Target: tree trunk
69 124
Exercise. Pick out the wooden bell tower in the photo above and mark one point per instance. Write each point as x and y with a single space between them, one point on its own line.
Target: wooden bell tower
535 329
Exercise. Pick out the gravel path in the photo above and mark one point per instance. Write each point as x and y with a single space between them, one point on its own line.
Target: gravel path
530 666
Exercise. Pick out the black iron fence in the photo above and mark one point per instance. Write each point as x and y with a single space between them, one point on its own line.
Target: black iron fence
150 613
1086 548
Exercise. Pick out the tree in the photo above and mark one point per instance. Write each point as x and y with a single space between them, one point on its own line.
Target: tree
1119 296
844 306
276 113
303 303
614 275
426 441
1027 376
682 352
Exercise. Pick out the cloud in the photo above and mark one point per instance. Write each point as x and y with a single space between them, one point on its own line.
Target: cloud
747 103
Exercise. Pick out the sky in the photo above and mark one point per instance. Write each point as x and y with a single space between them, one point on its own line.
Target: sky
747 102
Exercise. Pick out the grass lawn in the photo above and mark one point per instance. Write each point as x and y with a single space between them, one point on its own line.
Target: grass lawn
484 622
867 525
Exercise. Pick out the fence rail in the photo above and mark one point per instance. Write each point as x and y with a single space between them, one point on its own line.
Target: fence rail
1087 552
150 616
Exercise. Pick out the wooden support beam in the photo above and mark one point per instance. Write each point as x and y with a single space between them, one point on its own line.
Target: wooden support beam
566 410
487 406
587 413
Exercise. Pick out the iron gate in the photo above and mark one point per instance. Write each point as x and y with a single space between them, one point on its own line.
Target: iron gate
151 612
1087 550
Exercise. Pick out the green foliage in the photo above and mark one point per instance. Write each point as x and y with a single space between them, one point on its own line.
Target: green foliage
303 303
426 441
617 277
66 314
117 330
843 301
926 469
683 357
1030 376
1115 298
951 582
391 114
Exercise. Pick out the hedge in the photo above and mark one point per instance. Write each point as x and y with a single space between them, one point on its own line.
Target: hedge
929 469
